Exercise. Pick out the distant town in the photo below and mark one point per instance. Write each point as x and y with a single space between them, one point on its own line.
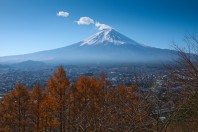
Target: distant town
144 76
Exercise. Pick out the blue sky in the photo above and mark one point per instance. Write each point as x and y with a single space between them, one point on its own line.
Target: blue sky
28 26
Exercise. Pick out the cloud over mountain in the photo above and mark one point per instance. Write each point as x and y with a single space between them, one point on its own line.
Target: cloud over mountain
88 21
101 26
85 21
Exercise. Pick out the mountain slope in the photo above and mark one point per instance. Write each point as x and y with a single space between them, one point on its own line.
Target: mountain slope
108 36
106 46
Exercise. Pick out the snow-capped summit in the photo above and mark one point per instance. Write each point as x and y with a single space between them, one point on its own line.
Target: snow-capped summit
108 36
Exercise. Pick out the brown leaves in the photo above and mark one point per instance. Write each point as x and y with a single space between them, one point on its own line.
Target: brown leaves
16 109
89 105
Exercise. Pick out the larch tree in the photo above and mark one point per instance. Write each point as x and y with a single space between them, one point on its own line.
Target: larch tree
58 86
37 96
89 98
16 108
49 116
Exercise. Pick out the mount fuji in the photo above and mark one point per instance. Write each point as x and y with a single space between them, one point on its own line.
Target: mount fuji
106 46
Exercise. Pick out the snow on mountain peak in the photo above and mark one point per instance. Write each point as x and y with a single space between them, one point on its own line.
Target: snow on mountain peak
108 36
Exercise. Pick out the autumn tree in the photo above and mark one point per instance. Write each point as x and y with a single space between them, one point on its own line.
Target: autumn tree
58 86
128 110
37 96
184 79
49 118
16 108
88 102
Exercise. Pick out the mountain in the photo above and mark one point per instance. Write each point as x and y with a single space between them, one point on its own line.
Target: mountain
30 63
106 46
3 66
108 36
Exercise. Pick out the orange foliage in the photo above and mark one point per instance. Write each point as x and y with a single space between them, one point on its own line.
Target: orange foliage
89 105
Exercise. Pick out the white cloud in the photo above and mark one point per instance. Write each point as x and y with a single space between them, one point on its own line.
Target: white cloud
101 26
88 21
62 14
85 21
